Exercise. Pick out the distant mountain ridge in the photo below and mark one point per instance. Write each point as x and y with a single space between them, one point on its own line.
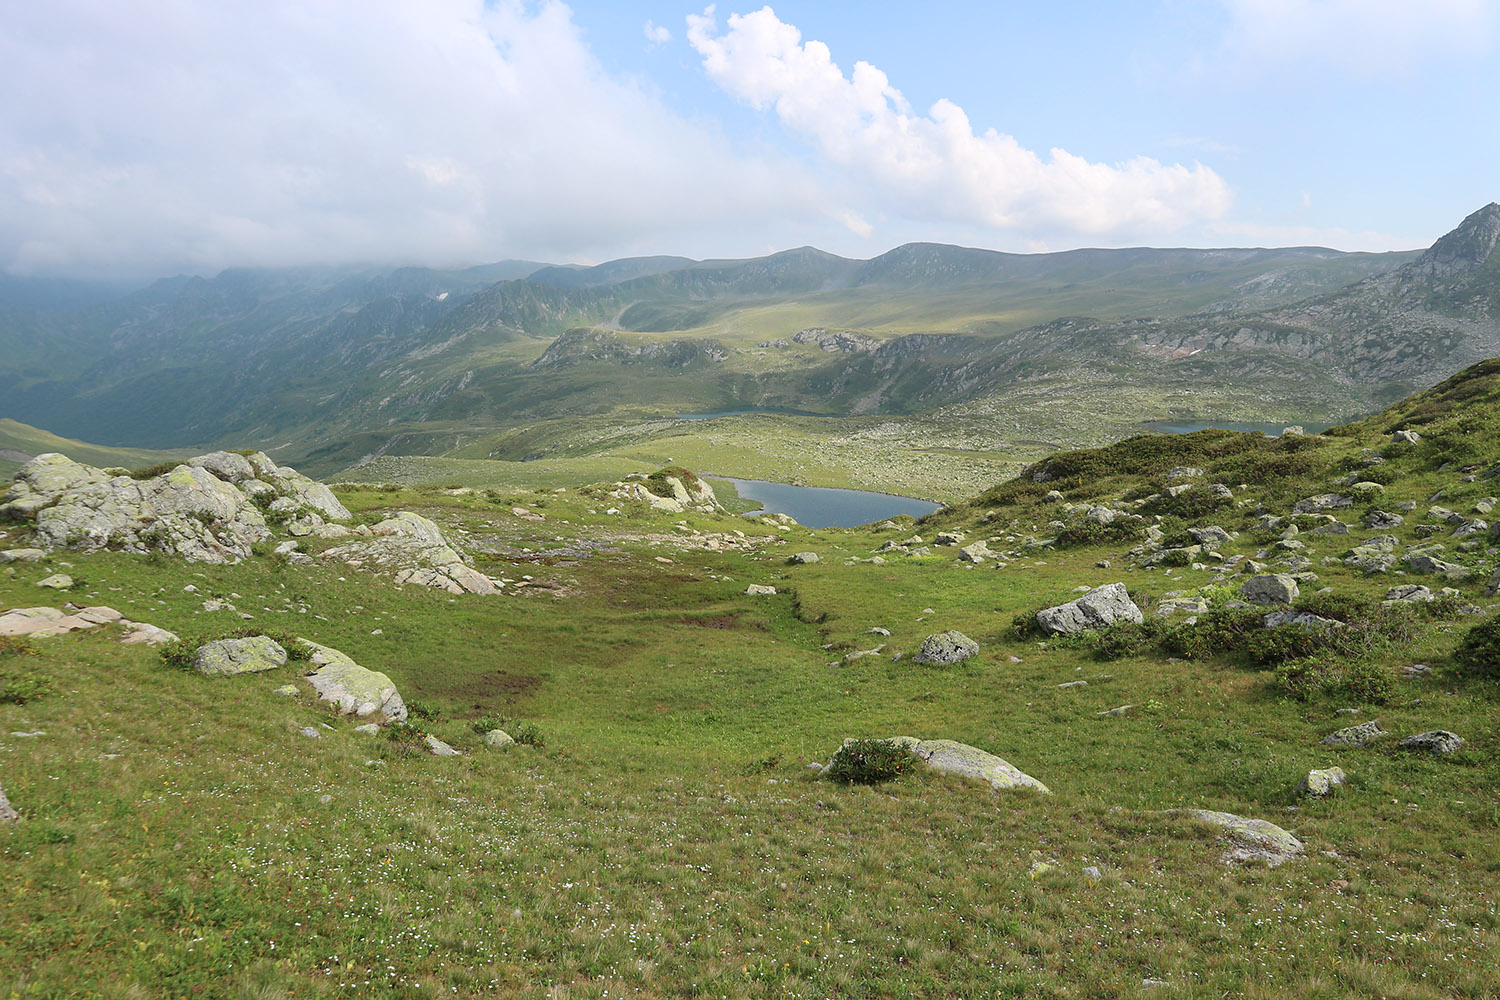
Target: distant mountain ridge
301 358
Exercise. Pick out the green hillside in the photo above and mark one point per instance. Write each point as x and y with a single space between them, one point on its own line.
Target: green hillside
20 443
659 832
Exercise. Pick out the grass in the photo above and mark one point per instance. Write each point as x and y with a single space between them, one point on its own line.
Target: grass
182 838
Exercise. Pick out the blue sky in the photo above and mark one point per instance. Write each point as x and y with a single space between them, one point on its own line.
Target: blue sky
164 136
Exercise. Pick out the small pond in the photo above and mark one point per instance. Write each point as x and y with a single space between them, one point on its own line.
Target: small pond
1270 430
822 507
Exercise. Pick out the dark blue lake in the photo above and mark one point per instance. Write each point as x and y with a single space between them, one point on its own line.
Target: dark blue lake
1270 430
823 507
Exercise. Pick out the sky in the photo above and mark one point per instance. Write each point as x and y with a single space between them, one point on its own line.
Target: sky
186 136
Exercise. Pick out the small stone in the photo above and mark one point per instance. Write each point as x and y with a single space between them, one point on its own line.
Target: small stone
1416 670
805 558
1117 712
946 648
310 733
368 729
1074 684
1093 873
440 749
1319 783
57 581
287 691
759 590
498 738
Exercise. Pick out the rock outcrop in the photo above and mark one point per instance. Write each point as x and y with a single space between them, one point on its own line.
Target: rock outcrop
7 813
1099 608
1436 741
209 509
414 549
42 622
966 761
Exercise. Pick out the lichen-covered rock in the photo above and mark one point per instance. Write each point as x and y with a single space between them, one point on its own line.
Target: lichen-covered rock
1408 592
760 590
438 748
57 581
1319 783
188 512
951 757
946 648
498 738
226 657
1436 741
1323 501
28 555
1423 562
1253 839
1301 619
414 549
804 558
1269 589
356 690
976 553
1354 736
1099 608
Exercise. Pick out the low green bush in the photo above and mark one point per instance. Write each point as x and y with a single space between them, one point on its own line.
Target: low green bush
19 688
1223 630
1093 533
1129 639
517 729
1330 675
869 762
405 740
1479 652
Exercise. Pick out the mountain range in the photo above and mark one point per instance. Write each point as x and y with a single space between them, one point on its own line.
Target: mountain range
333 363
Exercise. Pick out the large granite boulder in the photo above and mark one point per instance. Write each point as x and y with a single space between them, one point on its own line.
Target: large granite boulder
414 549
946 648
1099 608
355 689
250 655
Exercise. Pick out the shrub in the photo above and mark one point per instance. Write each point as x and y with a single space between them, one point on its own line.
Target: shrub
657 481
1270 646
1093 533
1325 674
1129 639
868 762
1480 649
16 645
1443 606
18 688
425 710
405 740
179 652
1222 630
1025 625
1191 505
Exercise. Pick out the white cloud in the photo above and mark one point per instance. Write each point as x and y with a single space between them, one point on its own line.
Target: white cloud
657 34
195 136
935 166
1362 36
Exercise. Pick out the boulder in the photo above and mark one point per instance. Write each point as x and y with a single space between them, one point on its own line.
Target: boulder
250 655
1421 562
760 590
1323 501
1354 736
1373 555
949 538
1099 608
413 547
356 690
498 738
22 555
946 648
970 762
8 813
1436 741
1409 592
1319 783
1405 437
1270 588
976 553
1302 619
1252 839
804 558
57 581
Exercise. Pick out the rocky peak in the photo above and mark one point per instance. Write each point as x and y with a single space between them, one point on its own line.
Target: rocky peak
1472 243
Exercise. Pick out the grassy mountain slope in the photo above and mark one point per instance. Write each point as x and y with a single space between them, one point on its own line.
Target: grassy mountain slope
19 443
182 838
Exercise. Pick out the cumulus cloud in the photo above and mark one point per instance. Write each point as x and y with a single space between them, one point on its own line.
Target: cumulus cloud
194 136
656 34
1363 36
935 166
